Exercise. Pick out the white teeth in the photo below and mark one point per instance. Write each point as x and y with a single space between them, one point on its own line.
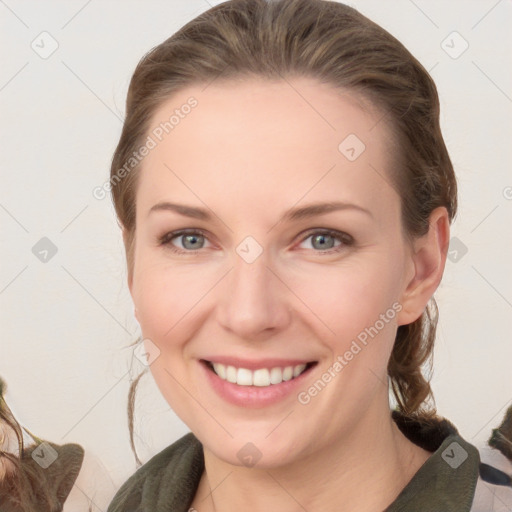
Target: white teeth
276 376
231 374
298 369
244 377
220 370
262 377
288 373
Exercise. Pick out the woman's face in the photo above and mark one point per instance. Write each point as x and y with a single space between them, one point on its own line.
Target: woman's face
275 273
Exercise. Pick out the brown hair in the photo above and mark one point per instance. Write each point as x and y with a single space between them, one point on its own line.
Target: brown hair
339 46
24 485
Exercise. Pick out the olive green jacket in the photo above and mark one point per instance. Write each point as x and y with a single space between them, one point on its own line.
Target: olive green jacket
445 483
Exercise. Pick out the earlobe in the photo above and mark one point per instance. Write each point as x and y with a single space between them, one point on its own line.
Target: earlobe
428 259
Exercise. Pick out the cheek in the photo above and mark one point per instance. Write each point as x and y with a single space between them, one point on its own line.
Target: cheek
349 298
166 298
168 303
358 303
360 307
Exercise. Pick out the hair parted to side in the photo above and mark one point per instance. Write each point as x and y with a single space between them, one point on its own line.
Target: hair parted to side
337 45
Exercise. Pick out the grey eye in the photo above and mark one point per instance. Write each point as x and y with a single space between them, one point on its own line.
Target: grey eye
322 241
192 242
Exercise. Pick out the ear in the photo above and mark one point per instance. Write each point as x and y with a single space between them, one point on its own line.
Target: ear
428 258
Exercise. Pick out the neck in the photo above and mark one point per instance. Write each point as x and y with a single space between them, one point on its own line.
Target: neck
364 470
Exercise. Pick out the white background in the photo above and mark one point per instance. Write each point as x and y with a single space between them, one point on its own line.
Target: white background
66 323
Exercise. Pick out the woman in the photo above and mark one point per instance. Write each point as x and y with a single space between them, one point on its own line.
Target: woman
285 196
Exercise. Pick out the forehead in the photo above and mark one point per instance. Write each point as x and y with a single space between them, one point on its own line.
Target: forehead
253 138
291 109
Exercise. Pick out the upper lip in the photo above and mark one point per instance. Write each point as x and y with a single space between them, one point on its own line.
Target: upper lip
256 364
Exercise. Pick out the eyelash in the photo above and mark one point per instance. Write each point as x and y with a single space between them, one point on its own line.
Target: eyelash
345 239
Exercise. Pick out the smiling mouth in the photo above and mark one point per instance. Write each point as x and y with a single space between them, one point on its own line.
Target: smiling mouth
262 377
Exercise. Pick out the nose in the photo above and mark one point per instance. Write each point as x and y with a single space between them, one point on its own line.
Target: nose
253 302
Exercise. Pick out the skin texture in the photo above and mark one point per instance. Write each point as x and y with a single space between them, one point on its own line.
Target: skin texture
250 150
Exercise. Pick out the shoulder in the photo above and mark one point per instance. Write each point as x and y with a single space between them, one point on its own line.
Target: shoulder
457 476
179 466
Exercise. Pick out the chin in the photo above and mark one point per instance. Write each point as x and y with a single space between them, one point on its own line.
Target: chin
259 447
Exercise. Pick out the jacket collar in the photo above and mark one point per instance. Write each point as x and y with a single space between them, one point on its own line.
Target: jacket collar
447 480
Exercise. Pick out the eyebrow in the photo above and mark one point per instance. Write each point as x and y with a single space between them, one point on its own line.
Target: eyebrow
293 214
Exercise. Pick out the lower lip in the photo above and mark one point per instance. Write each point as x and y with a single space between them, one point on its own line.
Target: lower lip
254 396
